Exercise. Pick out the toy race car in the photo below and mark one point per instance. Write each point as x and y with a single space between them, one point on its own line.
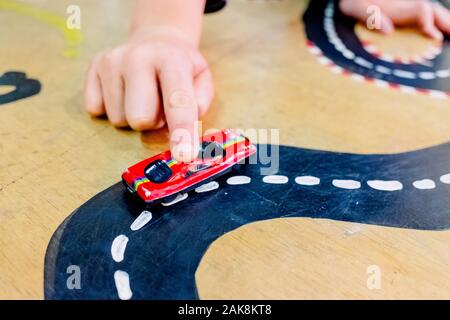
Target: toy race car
163 178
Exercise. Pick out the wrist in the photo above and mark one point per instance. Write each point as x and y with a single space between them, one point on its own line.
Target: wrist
153 32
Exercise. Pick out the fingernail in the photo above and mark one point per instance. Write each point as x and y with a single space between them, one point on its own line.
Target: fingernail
183 152
387 28
436 35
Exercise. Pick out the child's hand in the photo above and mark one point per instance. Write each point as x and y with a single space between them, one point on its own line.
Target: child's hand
431 18
156 77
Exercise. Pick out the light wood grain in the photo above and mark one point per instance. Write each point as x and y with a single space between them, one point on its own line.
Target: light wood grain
303 258
54 157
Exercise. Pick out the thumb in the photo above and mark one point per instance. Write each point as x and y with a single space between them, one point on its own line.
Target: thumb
386 24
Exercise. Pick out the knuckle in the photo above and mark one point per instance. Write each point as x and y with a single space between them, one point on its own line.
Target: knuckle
181 99
112 57
91 69
175 54
424 7
135 55
108 58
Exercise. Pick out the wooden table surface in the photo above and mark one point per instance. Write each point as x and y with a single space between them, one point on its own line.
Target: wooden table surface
54 157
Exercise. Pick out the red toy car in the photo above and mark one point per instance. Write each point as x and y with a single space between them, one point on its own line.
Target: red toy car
161 177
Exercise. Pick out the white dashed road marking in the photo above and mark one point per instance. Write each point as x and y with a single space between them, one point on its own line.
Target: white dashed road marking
122 280
213 185
180 197
275 179
118 247
141 221
424 184
445 178
237 180
333 38
307 180
346 184
385 185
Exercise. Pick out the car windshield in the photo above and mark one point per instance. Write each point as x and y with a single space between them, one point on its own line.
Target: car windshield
158 171
194 168
211 149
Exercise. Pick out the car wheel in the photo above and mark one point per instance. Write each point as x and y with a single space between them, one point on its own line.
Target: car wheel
169 198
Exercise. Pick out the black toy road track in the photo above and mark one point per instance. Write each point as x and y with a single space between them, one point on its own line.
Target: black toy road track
158 258
331 37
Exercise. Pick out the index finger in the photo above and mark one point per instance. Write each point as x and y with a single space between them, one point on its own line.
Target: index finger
180 107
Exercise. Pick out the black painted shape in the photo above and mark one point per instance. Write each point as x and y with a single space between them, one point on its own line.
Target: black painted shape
345 28
24 87
161 258
214 5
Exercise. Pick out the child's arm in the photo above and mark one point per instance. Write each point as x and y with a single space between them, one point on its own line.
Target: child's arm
160 59
431 18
